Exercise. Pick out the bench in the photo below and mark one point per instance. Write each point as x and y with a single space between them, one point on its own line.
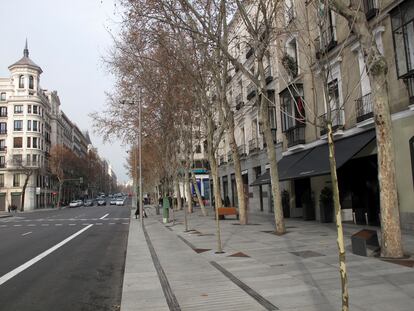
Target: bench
226 211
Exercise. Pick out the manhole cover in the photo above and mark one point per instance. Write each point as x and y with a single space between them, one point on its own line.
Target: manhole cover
307 254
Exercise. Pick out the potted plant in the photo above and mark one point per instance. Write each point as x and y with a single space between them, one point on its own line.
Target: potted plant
286 203
308 205
326 205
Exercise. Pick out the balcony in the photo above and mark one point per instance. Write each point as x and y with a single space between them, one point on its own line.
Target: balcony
3 149
364 108
229 157
3 115
3 132
2 165
295 135
251 91
268 74
242 150
239 102
253 145
325 42
370 8
337 117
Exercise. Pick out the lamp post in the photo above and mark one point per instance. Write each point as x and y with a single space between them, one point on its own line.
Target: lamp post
138 198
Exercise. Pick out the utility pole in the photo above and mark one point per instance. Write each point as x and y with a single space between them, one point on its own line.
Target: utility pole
141 207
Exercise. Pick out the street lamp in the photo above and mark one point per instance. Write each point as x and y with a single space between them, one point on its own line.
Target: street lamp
140 156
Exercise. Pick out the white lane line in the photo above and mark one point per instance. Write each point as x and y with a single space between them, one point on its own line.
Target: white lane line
45 225
39 257
104 216
26 233
17 225
31 225
58 224
98 223
72 224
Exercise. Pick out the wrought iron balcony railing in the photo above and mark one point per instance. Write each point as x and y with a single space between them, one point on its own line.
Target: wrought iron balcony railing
337 119
295 135
364 108
242 150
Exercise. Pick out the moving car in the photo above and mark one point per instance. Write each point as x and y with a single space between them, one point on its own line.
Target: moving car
120 202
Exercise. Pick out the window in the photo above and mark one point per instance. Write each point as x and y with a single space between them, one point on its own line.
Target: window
16 180
34 159
2 161
3 111
327 32
31 83
3 128
35 128
34 142
1 180
18 109
17 159
21 81
2 144
198 149
18 125
18 142
29 109
35 109
402 19
290 59
29 125
29 142
289 12
2 96
293 110
28 158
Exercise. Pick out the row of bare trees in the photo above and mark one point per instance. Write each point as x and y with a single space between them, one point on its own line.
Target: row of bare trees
178 55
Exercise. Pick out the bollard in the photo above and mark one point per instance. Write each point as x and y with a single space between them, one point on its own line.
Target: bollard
165 210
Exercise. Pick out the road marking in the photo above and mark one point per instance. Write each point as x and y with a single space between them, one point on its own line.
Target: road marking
104 216
31 225
39 257
58 224
45 225
26 233
72 224
17 225
98 223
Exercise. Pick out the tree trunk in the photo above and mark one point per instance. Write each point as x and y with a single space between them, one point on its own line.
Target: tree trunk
217 200
24 192
177 191
337 206
271 155
391 245
188 190
237 172
200 200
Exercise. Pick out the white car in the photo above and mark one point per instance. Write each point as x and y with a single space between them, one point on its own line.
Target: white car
76 203
113 201
120 202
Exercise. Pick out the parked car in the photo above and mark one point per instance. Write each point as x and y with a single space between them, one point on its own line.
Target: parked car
112 201
88 202
76 203
101 202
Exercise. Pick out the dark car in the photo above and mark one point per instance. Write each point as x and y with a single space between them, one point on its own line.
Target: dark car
101 202
88 203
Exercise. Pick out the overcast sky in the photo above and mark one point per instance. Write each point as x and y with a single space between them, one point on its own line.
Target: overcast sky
68 40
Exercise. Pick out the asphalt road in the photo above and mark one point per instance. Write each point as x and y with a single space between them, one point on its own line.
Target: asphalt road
81 263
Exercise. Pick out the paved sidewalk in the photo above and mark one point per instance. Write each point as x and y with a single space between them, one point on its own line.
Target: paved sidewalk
258 271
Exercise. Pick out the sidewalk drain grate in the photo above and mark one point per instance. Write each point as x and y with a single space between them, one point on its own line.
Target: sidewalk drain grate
166 288
307 254
403 262
255 295
239 254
